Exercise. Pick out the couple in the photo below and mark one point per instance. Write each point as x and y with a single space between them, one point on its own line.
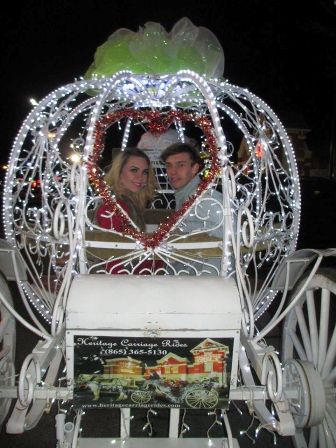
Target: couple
133 182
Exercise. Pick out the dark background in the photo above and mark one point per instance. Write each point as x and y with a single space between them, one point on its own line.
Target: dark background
283 51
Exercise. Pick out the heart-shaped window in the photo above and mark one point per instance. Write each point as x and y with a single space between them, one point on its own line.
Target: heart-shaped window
156 123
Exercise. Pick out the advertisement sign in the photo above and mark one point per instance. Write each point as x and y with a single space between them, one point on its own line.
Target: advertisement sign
152 372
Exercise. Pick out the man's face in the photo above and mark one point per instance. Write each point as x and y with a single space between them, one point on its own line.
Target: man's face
180 169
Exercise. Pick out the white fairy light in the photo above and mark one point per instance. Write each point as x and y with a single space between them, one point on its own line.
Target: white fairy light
55 116
33 102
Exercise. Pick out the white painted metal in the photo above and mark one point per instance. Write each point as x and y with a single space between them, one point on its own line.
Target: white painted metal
12 265
174 423
41 364
261 220
7 349
312 342
52 228
323 333
153 302
155 443
66 394
283 421
310 402
125 422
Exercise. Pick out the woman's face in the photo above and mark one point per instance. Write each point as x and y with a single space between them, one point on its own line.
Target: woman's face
134 175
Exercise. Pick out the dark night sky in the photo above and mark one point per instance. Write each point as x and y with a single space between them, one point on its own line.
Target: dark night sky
283 51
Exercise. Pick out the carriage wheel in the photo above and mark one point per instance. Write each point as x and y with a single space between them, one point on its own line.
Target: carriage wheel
141 396
7 348
309 355
202 398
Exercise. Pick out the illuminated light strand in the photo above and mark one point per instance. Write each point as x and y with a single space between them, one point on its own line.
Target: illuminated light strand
215 422
184 427
148 424
159 91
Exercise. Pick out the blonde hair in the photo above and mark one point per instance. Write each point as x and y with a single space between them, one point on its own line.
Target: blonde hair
112 178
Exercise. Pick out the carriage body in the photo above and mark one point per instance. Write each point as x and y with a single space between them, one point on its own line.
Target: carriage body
230 270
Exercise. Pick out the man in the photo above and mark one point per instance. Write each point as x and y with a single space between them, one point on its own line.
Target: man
183 164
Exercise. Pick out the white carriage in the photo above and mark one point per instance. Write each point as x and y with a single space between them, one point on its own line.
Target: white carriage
205 298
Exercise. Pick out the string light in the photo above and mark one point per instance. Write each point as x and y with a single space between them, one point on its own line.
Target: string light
213 424
184 427
268 176
148 424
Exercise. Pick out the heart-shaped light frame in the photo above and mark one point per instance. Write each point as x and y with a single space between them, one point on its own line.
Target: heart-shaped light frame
157 123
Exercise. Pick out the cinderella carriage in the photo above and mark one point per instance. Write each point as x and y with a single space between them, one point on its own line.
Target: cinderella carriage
188 334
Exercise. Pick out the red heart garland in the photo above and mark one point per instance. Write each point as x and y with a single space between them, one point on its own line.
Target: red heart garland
157 123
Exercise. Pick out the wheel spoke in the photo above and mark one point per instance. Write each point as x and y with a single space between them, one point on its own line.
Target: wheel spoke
331 378
332 427
309 334
7 353
324 327
297 344
313 437
330 357
321 436
331 411
304 333
4 319
312 325
328 435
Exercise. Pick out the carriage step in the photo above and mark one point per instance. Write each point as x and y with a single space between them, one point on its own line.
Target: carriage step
88 442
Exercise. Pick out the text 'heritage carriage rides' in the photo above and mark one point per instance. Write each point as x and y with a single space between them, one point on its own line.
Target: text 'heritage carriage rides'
187 335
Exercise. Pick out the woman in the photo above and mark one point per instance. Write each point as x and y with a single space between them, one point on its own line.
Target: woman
133 182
